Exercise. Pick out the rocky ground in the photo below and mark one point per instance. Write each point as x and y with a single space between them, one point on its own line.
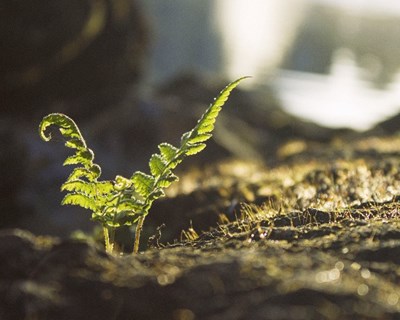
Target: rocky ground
314 236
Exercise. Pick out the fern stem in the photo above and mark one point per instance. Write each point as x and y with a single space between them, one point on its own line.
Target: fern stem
139 228
108 244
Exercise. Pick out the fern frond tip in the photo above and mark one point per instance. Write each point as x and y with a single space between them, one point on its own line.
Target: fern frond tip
66 126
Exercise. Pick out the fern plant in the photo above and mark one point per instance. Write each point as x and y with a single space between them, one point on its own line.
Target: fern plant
126 201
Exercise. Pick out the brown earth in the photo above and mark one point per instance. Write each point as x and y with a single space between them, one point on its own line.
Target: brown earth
315 236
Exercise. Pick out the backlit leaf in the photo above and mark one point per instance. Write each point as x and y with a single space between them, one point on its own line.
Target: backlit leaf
168 151
157 165
143 183
193 149
81 200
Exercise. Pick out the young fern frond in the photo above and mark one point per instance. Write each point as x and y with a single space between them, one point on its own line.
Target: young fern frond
127 201
82 183
68 129
192 142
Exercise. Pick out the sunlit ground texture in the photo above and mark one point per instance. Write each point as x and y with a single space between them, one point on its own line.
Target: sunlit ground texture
315 236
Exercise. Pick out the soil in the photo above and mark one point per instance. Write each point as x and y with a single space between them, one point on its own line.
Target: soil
314 236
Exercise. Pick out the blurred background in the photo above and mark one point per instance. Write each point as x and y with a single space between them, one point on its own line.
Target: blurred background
331 61
134 73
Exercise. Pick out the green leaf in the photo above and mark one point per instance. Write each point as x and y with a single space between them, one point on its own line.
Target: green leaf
206 123
104 187
67 127
75 144
143 183
123 217
95 170
166 180
130 204
200 138
157 165
100 217
157 194
168 151
81 200
84 157
193 149
79 185
122 183
90 174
